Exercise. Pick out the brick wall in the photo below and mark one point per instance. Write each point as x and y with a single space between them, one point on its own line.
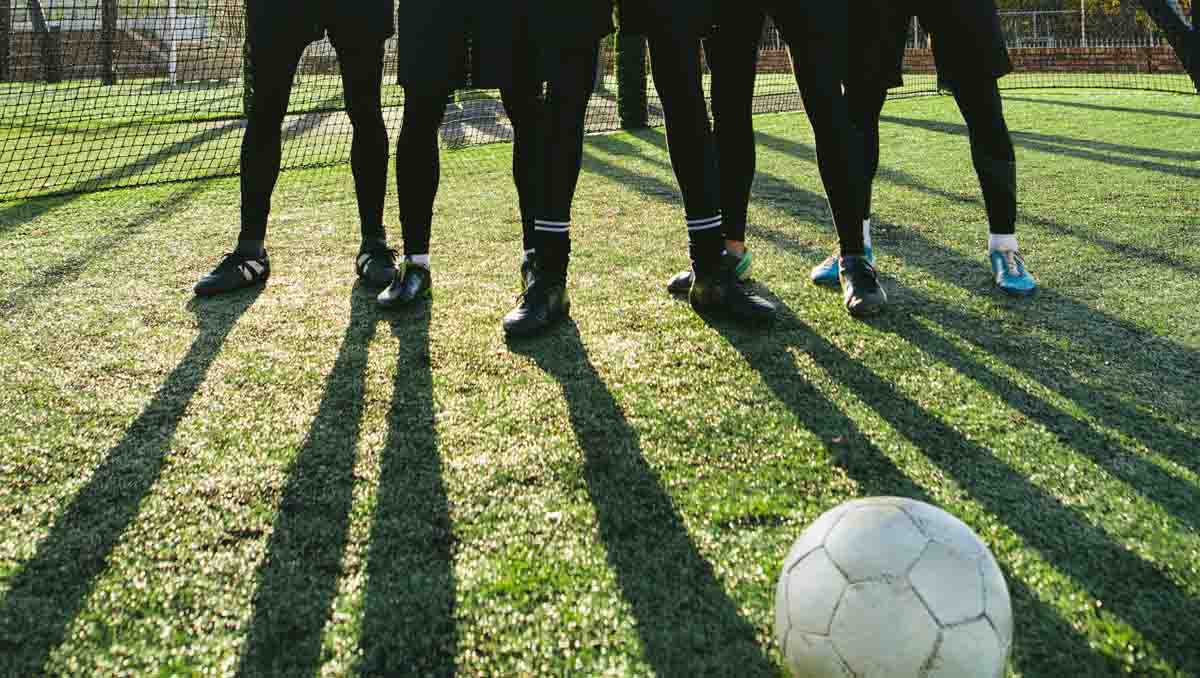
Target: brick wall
133 56
1071 60
1046 60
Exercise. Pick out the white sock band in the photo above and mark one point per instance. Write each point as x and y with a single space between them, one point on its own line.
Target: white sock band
867 233
551 226
1002 243
704 224
421 260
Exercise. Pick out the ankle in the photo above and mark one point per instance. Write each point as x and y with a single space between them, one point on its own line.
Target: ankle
373 243
1002 242
421 260
736 247
251 248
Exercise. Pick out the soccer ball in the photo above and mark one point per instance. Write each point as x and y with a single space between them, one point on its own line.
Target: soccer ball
892 588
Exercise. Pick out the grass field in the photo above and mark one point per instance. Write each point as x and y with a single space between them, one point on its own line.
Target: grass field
289 482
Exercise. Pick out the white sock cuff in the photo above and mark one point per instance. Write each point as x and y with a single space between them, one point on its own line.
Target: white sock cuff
421 260
1003 243
551 226
704 224
867 232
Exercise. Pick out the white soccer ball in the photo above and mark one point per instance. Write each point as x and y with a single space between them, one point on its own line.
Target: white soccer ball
892 588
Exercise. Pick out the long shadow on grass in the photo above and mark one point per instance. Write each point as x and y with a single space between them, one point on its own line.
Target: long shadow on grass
297 579
74 266
51 588
687 623
1074 148
1045 643
1099 107
27 210
1130 587
897 177
409 626
1177 496
1162 365
1138 592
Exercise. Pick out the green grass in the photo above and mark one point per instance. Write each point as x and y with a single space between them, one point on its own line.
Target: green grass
289 482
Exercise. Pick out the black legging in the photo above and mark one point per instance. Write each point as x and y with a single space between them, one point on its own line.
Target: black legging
733 58
418 165
274 71
548 128
991 144
548 121
675 64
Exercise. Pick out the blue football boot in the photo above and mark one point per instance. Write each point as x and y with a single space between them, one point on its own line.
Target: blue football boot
1008 269
826 272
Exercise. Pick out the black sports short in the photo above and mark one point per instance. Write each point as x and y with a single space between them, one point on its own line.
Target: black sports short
675 19
280 23
451 44
968 42
805 22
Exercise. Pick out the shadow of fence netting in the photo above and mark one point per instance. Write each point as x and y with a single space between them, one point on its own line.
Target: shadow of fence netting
98 94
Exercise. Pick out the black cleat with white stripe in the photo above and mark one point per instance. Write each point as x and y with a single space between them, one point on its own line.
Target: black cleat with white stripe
236 271
376 266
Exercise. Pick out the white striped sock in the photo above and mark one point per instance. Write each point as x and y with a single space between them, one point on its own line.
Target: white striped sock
704 224
551 226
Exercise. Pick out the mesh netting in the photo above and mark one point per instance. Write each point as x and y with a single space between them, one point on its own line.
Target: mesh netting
99 94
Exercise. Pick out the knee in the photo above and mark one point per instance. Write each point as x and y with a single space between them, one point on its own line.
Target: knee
367 119
422 114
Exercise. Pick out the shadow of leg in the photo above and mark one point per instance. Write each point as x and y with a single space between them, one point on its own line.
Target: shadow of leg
1107 570
687 623
409 626
877 475
297 579
51 588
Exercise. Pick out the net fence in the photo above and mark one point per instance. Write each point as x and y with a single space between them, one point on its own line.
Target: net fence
98 94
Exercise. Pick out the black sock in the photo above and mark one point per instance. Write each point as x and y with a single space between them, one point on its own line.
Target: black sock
372 243
251 248
706 241
552 242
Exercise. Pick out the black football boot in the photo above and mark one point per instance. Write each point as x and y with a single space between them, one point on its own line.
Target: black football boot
720 290
861 291
543 303
412 282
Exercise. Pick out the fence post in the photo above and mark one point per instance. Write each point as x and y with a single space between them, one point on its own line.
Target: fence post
247 66
52 54
108 39
5 37
633 105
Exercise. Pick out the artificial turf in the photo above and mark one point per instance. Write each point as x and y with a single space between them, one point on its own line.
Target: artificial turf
290 482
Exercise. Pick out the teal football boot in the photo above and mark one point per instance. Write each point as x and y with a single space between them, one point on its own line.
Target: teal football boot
1008 269
826 272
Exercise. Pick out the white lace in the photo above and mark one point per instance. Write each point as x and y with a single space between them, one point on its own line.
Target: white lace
1014 263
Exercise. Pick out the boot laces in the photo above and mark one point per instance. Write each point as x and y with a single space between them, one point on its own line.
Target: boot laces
1014 263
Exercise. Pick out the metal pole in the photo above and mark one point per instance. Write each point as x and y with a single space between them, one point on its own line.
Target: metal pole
108 39
5 36
172 45
1083 23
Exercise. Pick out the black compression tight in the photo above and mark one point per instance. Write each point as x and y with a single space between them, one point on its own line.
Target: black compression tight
991 144
733 56
418 165
274 72
675 63
548 121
